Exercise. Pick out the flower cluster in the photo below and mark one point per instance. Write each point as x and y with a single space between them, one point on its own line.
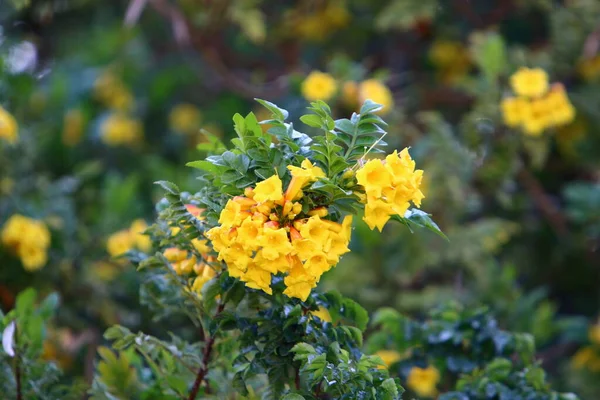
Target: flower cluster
185 262
266 232
423 381
319 24
29 239
8 126
390 186
322 86
537 106
121 242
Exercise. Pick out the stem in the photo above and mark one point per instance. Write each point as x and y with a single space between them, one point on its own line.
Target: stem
205 359
17 366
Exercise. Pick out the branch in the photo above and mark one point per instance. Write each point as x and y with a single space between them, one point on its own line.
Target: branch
552 214
205 359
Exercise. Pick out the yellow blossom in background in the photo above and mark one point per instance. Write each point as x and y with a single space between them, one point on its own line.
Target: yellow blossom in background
586 358
142 242
589 68
124 240
322 313
185 118
594 333
8 126
390 187
537 106
109 90
27 238
260 235
73 126
120 243
529 82
318 25
378 92
318 86
120 129
451 58
389 357
423 381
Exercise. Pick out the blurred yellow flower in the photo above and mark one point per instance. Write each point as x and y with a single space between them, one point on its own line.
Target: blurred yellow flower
73 127
120 243
350 94
8 126
27 238
322 313
423 381
389 357
318 86
185 118
378 92
529 82
594 333
119 129
109 90
589 68
142 242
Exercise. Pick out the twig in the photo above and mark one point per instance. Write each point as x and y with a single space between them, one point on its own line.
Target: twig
552 214
17 365
205 359
132 15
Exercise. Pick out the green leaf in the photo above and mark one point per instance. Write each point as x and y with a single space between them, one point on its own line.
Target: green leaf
26 301
169 187
278 113
205 166
292 396
422 219
49 305
489 52
116 332
311 120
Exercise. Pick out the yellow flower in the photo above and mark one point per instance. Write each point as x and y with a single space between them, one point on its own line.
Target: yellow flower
33 257
536 118
142 242
322 313
73 127
269 190
423 381
301 176
120 243
317 265
315 230
389 357
378 92
120 129
319 86
529 82
274 243
377 214
8 126
201 246
27 238
583 357
299 283
185 118
594 333
374 176
589 69
111 92
513 109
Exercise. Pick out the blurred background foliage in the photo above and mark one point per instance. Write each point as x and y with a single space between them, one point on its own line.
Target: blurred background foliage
110 97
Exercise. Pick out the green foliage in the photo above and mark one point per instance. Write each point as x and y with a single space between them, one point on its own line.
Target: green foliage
25 374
